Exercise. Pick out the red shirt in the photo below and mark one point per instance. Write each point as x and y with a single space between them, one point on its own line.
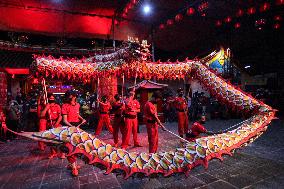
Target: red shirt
150 111
72 112
131 106
118 108
195 130
55 111
105 107
180 103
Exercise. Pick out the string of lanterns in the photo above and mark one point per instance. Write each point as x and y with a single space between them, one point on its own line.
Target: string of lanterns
259 23
201 10
130 5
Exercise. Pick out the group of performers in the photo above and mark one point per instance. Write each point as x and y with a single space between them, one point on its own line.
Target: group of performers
125 120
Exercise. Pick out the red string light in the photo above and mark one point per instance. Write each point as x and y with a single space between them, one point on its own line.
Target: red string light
218 23
162 26
277 26
228 19
279 2
237 25
240 13
264 7
277 18
170 22
190 11
178 17
251 11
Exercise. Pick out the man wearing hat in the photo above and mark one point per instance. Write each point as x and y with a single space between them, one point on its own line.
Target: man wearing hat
132 107
71 117
152 123
181 107
50 117
104 107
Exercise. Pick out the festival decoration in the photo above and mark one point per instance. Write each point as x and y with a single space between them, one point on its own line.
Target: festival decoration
180 160
3 89
190 11
130 5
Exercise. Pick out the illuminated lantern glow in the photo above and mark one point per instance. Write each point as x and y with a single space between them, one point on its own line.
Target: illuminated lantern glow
237 25
170 22
126 10
276 26
240 13
251 11
162 26
277 18
228 19
279 2
264 7
190 11
218 23
178 17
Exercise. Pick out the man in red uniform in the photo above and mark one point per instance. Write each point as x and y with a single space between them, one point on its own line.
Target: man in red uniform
132 107
196 129
104 107
42 120
50 117
118 123
181 107
152 123
71 117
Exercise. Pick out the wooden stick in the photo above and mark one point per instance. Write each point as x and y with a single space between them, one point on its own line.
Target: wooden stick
46 100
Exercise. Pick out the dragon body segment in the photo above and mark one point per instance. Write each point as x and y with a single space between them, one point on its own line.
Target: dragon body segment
181 159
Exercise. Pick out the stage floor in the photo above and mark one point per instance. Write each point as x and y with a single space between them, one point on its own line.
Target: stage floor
259 165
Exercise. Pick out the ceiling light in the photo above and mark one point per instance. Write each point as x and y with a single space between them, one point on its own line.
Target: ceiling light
146 9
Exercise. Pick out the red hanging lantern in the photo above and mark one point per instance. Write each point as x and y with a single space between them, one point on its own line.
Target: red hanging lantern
251 11
276 26
279 2
162 26
228 19
178 17
264 7
240 13
190 11
277 18
170 22
237 25
218 23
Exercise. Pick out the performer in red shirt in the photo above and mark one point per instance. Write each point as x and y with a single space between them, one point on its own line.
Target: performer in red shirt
132 107
71 117
51 117
196 129
104 107
152 123
118 123
181 107
42 119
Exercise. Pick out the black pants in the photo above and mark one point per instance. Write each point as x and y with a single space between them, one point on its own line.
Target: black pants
13 125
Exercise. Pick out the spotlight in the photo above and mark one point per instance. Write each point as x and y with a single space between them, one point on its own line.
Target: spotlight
146 9
248 66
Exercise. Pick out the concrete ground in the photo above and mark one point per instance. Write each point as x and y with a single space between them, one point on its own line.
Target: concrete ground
259 165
